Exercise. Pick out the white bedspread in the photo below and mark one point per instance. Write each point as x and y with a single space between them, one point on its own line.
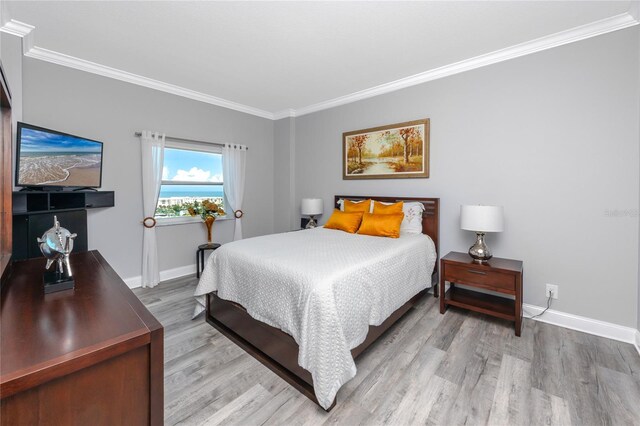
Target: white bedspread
323 287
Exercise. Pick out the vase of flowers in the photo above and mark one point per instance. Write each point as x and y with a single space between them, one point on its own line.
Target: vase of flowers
208 211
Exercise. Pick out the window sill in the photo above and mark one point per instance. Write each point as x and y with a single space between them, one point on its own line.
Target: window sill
171 221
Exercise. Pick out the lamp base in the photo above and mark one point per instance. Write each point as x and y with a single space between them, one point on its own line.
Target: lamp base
311 224
480 251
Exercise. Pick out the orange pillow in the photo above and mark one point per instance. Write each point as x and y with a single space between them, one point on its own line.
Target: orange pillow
362 206
379 208
344 221
381 225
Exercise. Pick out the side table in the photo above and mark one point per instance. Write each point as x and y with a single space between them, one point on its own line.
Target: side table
200 256
502 276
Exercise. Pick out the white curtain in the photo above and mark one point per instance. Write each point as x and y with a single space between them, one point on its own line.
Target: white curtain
152 159
234 159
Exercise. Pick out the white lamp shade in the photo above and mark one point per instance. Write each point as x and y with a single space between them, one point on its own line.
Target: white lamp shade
482 218
312 206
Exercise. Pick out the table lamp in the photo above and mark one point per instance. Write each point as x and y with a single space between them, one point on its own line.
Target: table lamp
481 219
311 207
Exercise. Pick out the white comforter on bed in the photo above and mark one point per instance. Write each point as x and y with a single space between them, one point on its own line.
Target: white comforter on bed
323 287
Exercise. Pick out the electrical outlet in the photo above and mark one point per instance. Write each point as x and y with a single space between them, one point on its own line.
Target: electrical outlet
552 288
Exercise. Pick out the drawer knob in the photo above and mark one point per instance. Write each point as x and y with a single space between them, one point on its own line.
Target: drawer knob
477 272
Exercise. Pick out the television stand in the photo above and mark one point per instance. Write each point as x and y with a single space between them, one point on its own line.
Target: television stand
41 189
33 213
85 188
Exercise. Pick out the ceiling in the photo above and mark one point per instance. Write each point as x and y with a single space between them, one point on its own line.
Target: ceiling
281 56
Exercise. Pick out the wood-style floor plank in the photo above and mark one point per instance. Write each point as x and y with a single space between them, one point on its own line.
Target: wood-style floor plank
416 387
474 401
457 368
620 395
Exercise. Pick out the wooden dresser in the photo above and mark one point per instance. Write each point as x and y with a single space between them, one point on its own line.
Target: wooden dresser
92 355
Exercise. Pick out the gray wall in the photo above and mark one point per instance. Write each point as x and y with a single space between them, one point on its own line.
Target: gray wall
284 175
553 137
111 111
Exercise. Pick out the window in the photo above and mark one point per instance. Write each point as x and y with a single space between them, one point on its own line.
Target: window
191 172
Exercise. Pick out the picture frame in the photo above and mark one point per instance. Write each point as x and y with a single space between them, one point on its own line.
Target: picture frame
394 151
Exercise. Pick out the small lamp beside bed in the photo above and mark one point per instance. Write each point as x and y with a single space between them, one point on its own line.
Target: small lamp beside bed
311 207
481 219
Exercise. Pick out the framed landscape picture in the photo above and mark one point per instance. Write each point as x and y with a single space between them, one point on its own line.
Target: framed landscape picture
387 152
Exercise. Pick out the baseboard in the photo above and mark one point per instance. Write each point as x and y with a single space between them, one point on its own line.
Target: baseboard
584 324
637 343
169 274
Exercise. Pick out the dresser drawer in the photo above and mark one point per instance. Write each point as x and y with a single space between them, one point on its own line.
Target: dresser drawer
479 277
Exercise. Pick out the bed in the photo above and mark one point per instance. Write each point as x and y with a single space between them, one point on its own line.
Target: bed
306 304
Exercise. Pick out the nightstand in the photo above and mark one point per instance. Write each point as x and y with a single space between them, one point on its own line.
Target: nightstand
503 276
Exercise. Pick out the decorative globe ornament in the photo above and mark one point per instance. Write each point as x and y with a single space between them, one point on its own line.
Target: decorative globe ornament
56 245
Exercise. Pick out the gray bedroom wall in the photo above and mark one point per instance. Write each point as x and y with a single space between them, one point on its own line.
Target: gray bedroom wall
111 111
283 175
553 137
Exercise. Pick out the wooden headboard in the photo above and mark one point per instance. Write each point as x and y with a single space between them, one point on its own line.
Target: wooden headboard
430 216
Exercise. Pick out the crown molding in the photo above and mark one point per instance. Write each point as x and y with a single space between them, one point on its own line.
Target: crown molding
22 30
614 23
285 113
603 26
17 28
105 71
25 31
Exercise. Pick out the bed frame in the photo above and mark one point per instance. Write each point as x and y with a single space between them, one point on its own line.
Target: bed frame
279 351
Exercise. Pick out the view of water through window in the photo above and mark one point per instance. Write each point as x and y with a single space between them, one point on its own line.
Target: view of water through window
189 176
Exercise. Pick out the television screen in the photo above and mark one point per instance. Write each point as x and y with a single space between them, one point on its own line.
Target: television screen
50 158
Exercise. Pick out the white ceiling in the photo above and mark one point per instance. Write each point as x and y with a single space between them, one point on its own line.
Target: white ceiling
275 56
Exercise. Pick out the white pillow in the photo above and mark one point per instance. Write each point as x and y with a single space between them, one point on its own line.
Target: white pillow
412 222
341 204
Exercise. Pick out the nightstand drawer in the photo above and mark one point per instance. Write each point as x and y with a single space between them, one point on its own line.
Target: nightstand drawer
479 277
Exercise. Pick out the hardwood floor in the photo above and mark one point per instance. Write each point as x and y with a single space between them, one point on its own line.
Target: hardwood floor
458 368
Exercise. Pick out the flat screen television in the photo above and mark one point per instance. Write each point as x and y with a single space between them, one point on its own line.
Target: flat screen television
48 158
